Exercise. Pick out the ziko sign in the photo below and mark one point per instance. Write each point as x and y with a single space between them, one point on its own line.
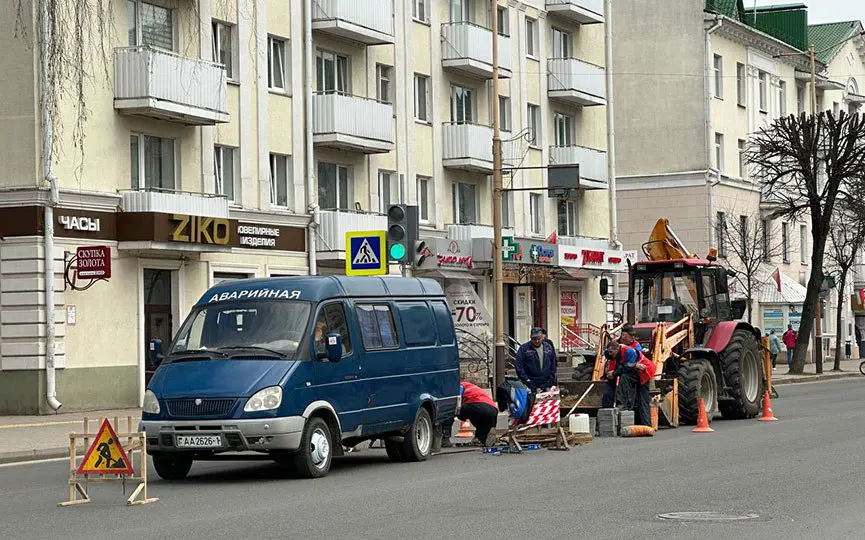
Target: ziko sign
93 262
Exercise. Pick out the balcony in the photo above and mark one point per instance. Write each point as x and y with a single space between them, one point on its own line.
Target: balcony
161 84
353 123
333 224
575 82
468 147
592 162
578 11
467 49
369 22
175 202
470 232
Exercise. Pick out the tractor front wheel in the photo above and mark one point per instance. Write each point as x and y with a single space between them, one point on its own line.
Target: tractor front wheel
697 380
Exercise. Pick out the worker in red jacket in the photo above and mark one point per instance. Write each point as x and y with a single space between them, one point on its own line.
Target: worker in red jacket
476 406
608 399
635 372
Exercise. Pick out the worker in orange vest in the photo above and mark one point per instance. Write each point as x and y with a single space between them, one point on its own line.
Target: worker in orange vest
635 372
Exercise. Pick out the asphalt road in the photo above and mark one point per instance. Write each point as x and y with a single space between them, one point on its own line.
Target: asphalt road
801 475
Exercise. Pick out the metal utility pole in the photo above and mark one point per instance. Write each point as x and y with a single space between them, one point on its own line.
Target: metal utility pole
811 54
498 290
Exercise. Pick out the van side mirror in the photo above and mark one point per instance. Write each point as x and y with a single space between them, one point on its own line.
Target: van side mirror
156 356
604 286
333 350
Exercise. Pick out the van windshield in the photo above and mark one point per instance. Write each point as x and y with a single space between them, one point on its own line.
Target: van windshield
273 328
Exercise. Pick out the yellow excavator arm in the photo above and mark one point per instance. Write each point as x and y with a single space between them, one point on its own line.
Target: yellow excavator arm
664 245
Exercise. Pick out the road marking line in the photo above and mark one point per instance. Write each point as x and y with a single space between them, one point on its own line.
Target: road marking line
39 424
33 461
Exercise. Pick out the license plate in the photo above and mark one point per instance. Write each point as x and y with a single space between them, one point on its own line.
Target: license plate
199 441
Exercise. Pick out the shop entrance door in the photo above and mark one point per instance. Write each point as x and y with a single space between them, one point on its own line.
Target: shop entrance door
157 299
539 305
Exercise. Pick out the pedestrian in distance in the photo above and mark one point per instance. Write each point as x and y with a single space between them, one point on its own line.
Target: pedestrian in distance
535 361
476 406
774 347
790 337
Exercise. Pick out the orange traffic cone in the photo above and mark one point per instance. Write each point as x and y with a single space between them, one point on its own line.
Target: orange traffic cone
466 430
767 409
702 420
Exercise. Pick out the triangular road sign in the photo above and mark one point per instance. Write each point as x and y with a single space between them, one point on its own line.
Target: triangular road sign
106 454
365 254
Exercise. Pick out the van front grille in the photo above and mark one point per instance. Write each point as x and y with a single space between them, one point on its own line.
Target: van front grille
199 408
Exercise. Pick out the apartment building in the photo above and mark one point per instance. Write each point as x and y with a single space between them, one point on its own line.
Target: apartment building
195 167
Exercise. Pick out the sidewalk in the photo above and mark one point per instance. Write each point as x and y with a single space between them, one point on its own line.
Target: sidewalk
849 368
25 438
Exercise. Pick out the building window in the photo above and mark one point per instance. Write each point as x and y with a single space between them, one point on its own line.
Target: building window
507 209
421 98
423 198
785 242
740 84
721 233
462 105
279 175
503 21
505 113
383 75
536 212
531 37
719 76
465 203
223 47
276 79
331 73
462 11
561 44
763 83
782 98
388 190
334 186
420 10
719 151
742 159
152 163
568 217
564 125
223 168
533 122
836 108
800 99
149 25
803 244
766 249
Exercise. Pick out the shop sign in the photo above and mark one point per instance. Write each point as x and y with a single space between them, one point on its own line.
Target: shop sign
773 319
595 254
517 251
447 254
80 223
569 311
467 309
511 250
201 230
93 262
256 236
542 254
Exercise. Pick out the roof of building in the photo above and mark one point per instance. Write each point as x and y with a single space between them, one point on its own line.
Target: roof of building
734 9
791 291
828 38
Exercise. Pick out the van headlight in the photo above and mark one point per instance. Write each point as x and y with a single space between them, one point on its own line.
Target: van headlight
265 399
151 404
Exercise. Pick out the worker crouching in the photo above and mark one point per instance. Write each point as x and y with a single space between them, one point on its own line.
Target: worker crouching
476 406
634 372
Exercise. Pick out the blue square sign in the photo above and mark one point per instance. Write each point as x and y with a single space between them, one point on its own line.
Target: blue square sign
364 253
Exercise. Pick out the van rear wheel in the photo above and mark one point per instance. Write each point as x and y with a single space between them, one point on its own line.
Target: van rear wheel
418 441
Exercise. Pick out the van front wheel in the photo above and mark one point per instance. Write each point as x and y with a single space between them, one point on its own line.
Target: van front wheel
418 441
316 450
170 467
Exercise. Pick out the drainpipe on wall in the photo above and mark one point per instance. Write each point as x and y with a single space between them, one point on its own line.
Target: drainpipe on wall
710 182
611 132
48 240
312 202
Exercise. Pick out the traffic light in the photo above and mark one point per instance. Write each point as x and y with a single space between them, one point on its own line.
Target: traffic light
397 233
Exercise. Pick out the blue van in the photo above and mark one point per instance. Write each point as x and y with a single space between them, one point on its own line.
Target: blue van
298 368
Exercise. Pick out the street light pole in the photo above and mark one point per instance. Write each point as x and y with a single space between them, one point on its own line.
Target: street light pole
818 320
498 290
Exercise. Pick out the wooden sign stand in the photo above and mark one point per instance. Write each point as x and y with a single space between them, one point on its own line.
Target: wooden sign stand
136 443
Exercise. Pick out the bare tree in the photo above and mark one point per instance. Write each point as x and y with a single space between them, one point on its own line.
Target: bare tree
751 243
808 165
846 238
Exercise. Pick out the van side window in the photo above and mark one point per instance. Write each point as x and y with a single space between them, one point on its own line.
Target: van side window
331 319
417 324
376 326
444 322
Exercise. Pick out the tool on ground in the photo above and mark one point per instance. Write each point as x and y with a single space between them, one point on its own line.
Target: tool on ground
638 431
702 420
768 416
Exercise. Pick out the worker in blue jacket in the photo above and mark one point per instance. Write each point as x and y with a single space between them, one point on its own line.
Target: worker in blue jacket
536 361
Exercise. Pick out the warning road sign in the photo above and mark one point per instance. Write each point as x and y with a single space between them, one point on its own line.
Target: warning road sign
106 454
364 253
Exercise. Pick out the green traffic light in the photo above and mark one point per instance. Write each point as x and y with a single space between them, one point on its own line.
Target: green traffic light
397 252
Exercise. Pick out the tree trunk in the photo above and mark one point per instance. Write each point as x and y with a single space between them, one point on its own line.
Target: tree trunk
809 309
750 301
838 323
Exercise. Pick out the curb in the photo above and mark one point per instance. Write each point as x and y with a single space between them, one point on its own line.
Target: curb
797 379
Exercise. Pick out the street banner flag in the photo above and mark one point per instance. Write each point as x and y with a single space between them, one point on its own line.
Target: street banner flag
553 238
776 275
862 296
106 454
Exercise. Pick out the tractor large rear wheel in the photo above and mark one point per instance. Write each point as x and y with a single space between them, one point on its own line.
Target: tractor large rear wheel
742 366
697 380
584 371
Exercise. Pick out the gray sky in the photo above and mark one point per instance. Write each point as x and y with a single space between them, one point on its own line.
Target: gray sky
821 11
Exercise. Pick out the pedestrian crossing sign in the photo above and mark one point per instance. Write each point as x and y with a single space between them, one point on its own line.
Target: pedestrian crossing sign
106 454
364 253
